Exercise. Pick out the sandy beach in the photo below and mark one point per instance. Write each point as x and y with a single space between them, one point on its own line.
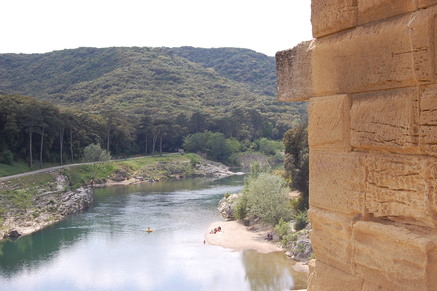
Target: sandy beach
235 235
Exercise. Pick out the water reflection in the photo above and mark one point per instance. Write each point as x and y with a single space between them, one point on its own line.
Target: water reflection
272 271
32 250
107 248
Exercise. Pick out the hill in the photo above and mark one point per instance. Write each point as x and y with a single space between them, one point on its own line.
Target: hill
138 101
161 81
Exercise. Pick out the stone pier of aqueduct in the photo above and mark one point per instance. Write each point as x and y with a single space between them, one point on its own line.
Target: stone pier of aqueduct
370 77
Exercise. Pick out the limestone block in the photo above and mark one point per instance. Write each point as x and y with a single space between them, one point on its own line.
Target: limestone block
431 178
329 121
337 181
372 286
431 269
331 237
386 120
426 3
330 16
395 53
394 257
400 188
327 278
373 10
428 120
293 68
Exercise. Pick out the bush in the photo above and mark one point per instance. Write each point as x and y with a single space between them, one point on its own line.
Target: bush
269 147
284 232
194 159
213 144
94 153
282 228
298 203
7 157
240 210
267 198
301 220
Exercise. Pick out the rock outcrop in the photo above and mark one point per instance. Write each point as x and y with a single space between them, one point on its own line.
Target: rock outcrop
47 208
371 80
227 206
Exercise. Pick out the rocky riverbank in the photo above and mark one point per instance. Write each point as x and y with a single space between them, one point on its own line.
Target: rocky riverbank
29 210
31 203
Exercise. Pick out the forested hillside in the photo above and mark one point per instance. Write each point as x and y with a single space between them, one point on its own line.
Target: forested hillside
159 80
131 99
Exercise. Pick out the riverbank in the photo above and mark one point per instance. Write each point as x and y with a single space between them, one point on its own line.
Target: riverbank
236 236
32 202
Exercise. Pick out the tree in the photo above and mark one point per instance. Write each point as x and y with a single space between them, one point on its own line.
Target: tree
31 113
50 121
296 161
266 196
143 131
158 131
213 144
95 153
197 122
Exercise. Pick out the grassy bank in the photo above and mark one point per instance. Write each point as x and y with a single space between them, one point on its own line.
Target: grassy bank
146 168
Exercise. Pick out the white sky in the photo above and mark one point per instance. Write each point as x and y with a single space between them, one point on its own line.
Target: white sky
37 26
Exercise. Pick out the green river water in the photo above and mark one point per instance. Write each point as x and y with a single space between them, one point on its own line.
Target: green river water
107 248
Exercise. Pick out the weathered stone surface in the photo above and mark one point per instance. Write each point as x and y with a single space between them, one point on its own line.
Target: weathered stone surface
372 286
330 16
399 188
329 123
393 256
386 120
384 55
369 11
431 179
327 278
431 267
426 3
337 181
371 79
294 73
331 238
428 120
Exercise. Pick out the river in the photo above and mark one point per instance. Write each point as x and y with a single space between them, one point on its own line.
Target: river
107 248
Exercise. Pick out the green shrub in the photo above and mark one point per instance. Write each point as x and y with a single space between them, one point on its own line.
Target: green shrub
22 199
267 198
194 159
7 157
240 210
284 232
288 238
282 228
298 203
301 220
269 147
94 153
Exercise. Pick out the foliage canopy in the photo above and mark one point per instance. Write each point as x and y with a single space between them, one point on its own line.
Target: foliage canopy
266 197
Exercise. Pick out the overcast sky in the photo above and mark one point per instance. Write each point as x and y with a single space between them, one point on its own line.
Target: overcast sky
38 26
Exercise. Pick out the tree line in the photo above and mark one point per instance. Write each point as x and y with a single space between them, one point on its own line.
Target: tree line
34 130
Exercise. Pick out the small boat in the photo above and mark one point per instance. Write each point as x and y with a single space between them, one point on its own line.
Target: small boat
149 230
